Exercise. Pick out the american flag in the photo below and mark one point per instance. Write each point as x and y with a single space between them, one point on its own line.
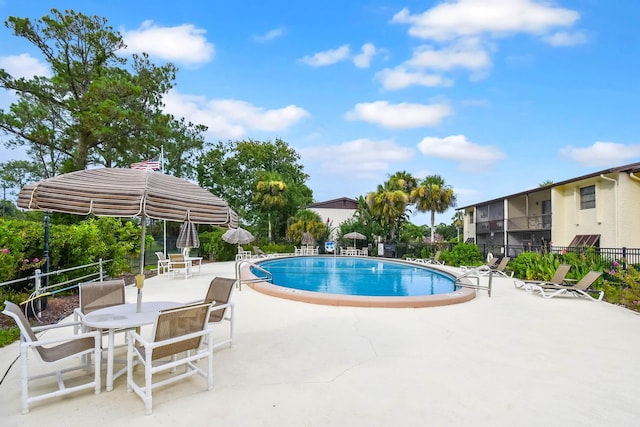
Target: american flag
153 164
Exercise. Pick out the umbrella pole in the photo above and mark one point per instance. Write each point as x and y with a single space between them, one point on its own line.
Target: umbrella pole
140 277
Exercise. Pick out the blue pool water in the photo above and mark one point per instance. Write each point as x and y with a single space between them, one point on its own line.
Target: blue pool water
356 276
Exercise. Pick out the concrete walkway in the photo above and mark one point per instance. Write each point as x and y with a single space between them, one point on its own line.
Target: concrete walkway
514 359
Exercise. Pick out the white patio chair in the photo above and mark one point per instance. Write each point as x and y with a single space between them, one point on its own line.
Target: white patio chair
54 351
177 335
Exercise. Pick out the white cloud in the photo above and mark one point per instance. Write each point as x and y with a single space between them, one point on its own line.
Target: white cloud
184 43
24 65
471 156
270 35
467 53
230 118
401 78
602 153
363 60
328 57
564 38
463 18
399 116
361 158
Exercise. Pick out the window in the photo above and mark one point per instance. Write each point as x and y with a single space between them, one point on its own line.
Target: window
471 217
588 197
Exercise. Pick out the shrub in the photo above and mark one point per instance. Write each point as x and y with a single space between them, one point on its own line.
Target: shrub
623 286
462 254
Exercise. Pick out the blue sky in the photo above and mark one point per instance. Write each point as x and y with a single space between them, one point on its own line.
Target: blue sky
496 96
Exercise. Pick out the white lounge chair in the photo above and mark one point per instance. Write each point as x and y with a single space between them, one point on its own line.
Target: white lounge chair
580 289
557 279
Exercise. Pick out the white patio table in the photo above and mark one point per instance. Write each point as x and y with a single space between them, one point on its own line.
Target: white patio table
123 316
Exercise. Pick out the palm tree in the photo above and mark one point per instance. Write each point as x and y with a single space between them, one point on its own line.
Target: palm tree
389 204
458 222
433 195
270 194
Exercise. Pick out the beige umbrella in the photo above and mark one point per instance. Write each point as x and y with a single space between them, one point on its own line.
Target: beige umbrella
237 236
355 236
128 193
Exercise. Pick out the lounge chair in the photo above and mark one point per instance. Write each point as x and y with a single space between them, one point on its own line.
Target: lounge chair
489 264
557 279
54 350
433 260
178 334
580 289
259 252
484 270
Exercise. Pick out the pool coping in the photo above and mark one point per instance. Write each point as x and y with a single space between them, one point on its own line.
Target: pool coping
456 297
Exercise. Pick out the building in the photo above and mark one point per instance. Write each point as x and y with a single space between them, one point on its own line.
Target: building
601 209
335 212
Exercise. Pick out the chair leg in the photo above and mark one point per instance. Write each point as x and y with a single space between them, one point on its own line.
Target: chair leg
148 398
24 379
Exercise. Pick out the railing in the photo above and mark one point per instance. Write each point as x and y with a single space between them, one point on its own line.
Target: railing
37 299
628 255
268 277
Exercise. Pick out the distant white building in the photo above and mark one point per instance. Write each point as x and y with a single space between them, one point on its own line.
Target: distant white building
334 212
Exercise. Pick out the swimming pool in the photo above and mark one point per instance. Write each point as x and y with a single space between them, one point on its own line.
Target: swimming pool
359 281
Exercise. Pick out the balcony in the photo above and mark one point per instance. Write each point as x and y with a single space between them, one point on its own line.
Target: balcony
531 222
485 227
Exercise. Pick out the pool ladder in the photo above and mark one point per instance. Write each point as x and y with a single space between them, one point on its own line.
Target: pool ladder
469 284
268 277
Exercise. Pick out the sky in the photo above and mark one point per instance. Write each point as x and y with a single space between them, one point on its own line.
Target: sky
495 96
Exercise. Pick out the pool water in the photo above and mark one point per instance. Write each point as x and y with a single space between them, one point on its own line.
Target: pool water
356 276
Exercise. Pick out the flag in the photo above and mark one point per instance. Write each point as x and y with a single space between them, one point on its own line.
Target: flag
153 164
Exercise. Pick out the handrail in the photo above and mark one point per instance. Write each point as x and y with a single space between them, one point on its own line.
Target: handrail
239 263
476 275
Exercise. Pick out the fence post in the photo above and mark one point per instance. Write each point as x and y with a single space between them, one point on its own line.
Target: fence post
624 258
101 270
38 283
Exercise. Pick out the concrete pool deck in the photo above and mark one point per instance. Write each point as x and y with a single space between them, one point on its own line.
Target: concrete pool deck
512 359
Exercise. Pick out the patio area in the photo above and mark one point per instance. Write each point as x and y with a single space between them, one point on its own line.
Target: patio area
512 359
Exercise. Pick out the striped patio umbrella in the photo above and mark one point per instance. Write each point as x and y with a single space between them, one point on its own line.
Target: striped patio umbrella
128 193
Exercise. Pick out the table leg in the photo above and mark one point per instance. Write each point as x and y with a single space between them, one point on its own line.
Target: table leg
110 351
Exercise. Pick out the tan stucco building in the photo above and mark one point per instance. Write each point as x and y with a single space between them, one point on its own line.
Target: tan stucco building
599 209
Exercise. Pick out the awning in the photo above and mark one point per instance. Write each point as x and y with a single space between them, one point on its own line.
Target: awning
588 240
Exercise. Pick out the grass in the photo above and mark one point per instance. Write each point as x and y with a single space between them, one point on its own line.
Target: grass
7 336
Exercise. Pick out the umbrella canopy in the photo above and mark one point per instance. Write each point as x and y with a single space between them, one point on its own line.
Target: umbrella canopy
355 236
237 236
188 237
307 239
128 193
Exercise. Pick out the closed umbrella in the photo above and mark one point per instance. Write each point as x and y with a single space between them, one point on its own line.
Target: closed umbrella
128 193
188 237
355 236
307 239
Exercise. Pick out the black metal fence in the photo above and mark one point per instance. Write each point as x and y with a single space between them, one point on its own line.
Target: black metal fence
628 255
624 254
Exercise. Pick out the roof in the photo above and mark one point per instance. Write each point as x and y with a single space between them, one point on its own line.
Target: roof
340 203
630 168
